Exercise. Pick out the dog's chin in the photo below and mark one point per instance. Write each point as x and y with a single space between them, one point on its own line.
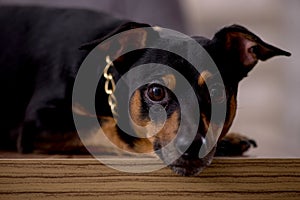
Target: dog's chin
188 166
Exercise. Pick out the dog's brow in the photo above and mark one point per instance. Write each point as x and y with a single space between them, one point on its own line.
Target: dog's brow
170 81
157 28
203 77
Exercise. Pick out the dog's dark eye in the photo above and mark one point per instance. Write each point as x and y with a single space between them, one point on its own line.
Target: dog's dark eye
156 92
217 93
253 49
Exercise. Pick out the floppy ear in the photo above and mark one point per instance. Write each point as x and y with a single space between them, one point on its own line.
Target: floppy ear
135 38
245 47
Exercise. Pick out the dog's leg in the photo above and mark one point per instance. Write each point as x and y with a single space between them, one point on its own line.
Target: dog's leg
234 144
25 141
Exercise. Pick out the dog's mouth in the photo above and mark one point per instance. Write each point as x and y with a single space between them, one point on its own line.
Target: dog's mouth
185 165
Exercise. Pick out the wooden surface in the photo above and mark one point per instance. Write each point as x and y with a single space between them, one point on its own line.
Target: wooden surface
88 179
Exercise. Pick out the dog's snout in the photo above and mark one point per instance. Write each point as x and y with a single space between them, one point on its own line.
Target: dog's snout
188 146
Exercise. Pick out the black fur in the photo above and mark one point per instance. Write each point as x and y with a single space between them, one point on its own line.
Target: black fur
39 60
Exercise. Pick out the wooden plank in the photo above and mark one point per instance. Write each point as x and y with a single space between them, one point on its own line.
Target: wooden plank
88 179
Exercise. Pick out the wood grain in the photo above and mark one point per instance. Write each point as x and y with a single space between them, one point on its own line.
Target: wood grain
88 179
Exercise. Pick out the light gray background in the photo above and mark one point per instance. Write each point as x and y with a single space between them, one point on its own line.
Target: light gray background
268 100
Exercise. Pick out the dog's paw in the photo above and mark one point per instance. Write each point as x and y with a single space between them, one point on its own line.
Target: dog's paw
234 144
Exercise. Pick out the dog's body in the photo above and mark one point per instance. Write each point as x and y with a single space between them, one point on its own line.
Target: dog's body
40 58
34 82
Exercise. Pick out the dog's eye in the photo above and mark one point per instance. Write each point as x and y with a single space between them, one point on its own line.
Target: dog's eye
156 92
217 93
253 49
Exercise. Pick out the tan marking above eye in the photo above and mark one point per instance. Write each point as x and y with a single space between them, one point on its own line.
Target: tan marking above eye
170 81
203 77
157 28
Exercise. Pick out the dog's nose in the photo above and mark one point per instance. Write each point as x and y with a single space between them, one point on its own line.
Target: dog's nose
189 147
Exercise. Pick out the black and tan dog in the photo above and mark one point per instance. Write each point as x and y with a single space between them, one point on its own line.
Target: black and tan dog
43 48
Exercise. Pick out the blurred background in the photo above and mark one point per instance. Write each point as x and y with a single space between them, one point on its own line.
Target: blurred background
269 99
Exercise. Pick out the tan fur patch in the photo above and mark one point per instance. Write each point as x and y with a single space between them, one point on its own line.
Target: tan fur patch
231 112
205 122
157 28
143 145
204 76
135 109
169 131
80 110
138 124
170 81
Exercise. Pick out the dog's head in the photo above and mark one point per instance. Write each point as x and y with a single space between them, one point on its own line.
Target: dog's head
235 51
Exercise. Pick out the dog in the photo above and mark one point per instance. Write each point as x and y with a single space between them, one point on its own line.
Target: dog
42 50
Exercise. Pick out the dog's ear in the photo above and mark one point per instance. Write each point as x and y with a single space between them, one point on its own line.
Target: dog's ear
136 38
245 47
